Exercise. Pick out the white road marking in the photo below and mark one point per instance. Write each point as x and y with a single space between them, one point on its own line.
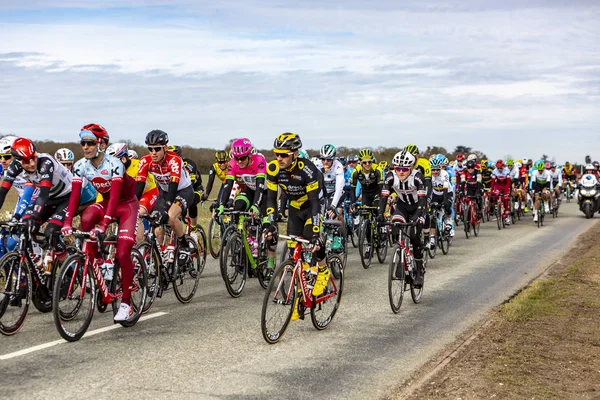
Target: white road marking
88 334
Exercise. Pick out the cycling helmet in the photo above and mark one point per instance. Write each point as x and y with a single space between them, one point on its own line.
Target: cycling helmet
404 159
132 154
94 130
470 163
490 164
526 161
596 164
365 154
553 165
342 161
303 154
436 162
175 149
328 151
500 164
221 156
472 157
539 165
510 162
445 160
64 155
5 144
287 142
567 163
118 150
547 165
518 165
22 148
484 161
241 147
589 167
157 137
352 158
460 157
412 149
383 165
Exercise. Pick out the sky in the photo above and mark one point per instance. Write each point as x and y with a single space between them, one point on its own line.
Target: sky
509 78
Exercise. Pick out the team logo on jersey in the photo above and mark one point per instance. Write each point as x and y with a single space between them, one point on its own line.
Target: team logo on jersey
104 172
101 184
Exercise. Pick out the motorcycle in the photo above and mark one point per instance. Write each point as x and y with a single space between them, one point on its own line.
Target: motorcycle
589 195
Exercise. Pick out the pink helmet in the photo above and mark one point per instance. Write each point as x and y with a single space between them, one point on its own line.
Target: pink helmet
547 165
241 147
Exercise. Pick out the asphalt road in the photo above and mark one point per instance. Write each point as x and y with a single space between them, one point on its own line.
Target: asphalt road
213 348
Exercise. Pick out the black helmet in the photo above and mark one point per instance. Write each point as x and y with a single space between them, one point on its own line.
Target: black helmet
175 149
157 137
471 164
287 142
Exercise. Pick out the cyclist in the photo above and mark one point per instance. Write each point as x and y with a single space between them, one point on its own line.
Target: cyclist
596 165
442 190
525 177
219 170
107 174
298 178
459 163
471 186
196 179
515 182
150 193
333 177
54 184
569 174
422 164
409 184
501 185
174 184
65 157
556 184
540 184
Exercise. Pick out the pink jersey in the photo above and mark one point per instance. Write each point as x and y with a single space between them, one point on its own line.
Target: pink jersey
246 177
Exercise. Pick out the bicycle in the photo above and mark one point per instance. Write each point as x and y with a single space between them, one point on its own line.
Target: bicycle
74 297
239 252
471 216
369 237
290 288
569 191
162 265
216 228
199 235
351 227
331 233
442 237
402 269
21 277
540 211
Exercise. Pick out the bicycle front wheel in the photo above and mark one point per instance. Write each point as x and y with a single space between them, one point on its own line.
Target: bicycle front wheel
215 234
201 241
73 299
15 293
396 279
186 282
153 261
364 245
279 302
235 265
139 288
382 247
467 221
326 305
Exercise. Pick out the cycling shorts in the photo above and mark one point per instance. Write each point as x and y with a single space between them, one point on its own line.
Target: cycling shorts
184 198
149 199
538 187
300 222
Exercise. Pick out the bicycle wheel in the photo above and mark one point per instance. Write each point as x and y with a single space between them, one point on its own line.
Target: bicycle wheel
444 243
432 250
278 303
416 293
396 281
382 249
467 221
215 234
15 293
153 262
230 230
326 305
139 288
235 265
186 282
476 222
73 300
498 214
41 295
285 254
200 236
354 235
365 248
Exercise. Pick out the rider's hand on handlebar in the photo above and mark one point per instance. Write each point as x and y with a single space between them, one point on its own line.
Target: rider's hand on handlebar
66 230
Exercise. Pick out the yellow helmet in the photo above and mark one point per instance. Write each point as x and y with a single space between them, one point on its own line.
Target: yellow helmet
412 149
221 156
383 165
365 154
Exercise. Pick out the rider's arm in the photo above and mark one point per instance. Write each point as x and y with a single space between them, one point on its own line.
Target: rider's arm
259 193
312 190
142 176
13 170
211 181
272 173
25 200
46 171
353 181
339 185
385 192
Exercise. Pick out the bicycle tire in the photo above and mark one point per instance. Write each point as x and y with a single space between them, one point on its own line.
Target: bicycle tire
354 235
396 285
215 235
467 221
365 261
432 250
189 271
235 271
477 223
202 243
153 266
11 323
139 289
417 293
44 306
280 296
445 244
71 276
333 287
224 238
382 249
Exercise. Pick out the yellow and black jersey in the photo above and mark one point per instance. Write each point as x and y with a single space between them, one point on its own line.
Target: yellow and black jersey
300 183
424 167
215 170
370 182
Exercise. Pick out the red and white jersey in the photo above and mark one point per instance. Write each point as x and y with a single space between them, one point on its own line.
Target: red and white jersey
171 169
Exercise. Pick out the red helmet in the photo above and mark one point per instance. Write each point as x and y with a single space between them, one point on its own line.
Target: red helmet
460 157
98 131
22 148
499 164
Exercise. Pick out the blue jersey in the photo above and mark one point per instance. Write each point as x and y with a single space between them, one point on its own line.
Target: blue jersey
348 178
452 175
88 194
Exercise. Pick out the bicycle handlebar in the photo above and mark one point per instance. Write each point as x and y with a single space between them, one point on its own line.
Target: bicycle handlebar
294 238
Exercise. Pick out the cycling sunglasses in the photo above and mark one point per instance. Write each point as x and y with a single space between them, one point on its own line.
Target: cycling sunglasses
326 159
366 162
6 156
283 155
402 169
154 149
89 143
241 159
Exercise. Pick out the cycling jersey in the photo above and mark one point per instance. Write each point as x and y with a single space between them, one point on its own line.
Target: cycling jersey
300 183
452 173
334 182
251 178
441 183
470 180
88 194
170 170
556 177
540 180
486 178
215 170
371 182
514 175
570 170
411 191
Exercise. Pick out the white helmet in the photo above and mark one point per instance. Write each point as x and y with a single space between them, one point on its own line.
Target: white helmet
403 159
328 151
132 154
472 157
518 165
525 161
5 144
590 166
64 155
117 150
